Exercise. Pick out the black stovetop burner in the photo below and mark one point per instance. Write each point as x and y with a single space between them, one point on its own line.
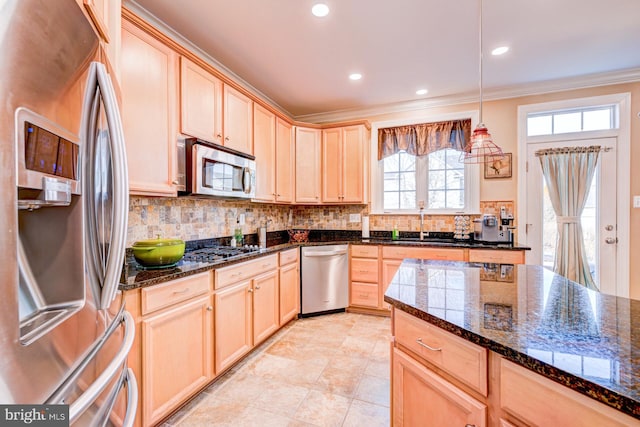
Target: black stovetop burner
217 253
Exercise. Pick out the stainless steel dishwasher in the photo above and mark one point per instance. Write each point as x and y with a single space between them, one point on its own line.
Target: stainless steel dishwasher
325 279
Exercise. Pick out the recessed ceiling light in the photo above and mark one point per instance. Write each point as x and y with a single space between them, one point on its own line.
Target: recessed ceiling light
500 50
421 92
355 76
320 10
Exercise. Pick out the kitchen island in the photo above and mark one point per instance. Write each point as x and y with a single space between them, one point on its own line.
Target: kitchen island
502 345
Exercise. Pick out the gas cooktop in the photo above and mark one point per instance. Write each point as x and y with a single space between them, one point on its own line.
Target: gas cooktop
217 253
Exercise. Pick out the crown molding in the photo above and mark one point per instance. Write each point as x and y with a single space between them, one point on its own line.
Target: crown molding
165 29
504 92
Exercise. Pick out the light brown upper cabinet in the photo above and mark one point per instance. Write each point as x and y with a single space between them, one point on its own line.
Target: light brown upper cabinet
308 170
264 148
200 102
273 148
238 120
149 83
343 164
285 161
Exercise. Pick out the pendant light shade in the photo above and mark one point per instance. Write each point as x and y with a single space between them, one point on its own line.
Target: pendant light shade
481 147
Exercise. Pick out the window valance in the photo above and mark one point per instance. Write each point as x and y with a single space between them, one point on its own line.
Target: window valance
422 139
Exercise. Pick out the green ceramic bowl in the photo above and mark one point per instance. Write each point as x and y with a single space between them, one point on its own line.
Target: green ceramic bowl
158 252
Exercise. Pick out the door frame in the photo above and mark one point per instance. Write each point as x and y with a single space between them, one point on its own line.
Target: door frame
623 164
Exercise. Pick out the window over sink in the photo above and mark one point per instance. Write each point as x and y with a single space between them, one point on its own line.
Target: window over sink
402 182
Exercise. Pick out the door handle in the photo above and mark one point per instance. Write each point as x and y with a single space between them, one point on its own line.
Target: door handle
611 240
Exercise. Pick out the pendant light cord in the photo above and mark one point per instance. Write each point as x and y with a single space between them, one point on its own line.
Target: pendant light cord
480 38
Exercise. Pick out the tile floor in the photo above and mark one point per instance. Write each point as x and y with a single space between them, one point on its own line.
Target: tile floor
330 370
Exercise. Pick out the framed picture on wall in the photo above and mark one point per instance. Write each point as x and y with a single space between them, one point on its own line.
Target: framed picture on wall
498 168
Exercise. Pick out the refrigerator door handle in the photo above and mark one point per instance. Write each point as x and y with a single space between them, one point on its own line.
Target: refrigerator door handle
132 399
105 263
97 387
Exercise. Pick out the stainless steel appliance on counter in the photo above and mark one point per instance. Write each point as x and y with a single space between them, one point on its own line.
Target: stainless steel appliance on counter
490 228
208 169
64 331
324 279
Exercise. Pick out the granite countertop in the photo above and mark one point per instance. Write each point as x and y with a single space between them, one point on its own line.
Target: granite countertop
580 338
134 276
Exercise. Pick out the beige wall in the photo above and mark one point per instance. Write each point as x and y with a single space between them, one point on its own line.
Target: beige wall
501 119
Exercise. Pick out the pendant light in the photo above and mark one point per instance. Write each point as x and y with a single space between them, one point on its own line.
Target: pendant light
481 147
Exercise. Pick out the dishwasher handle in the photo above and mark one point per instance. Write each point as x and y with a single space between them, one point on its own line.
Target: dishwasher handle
323 253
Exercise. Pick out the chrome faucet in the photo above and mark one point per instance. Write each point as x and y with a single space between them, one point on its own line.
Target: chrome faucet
422 223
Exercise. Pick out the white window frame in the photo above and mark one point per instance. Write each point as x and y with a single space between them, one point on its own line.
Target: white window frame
471 173
623 165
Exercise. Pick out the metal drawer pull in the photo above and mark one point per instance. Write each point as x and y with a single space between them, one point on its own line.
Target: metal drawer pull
184 291
419 341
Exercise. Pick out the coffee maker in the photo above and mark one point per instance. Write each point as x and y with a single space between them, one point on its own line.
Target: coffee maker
490 228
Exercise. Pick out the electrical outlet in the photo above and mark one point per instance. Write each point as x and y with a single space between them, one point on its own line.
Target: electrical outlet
354 217
241 219
636 201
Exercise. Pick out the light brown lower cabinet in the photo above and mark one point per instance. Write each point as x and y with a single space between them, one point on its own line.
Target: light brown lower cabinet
289 286
431 387
176 359
423 398
266 315
232 324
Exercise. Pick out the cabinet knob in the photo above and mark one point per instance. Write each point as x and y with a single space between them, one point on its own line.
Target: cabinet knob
226 138
209 308
175 182
250 290
257 287
219 136
469 425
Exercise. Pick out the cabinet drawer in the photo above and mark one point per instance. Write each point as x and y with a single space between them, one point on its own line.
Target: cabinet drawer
364 270
166 294
496 256
289 256
458 357
364 294
540 401
228 275
399 252
364 251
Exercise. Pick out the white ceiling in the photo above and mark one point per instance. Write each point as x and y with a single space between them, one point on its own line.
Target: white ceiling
302 62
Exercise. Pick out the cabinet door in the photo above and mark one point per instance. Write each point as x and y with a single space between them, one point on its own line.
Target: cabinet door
238 121
332 165
149 94
420 397
284 161
352 164
232 324
389 269
177 356
289 292
308 181
264 148
200 102
266 315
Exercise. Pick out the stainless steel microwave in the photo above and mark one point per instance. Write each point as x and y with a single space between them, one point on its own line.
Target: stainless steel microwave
208 169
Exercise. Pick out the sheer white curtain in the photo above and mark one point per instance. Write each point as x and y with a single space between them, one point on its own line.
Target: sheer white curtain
568 173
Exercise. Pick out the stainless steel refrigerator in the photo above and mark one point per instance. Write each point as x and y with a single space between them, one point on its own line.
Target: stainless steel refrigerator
64 332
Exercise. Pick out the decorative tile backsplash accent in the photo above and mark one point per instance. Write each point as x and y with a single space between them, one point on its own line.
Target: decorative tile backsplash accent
193 219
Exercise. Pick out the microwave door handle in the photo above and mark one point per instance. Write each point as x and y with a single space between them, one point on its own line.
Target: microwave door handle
120 188
246 180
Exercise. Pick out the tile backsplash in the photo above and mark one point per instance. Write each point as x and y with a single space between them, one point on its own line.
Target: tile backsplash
193 219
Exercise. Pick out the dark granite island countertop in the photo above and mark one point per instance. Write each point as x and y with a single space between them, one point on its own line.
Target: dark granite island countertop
582 339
